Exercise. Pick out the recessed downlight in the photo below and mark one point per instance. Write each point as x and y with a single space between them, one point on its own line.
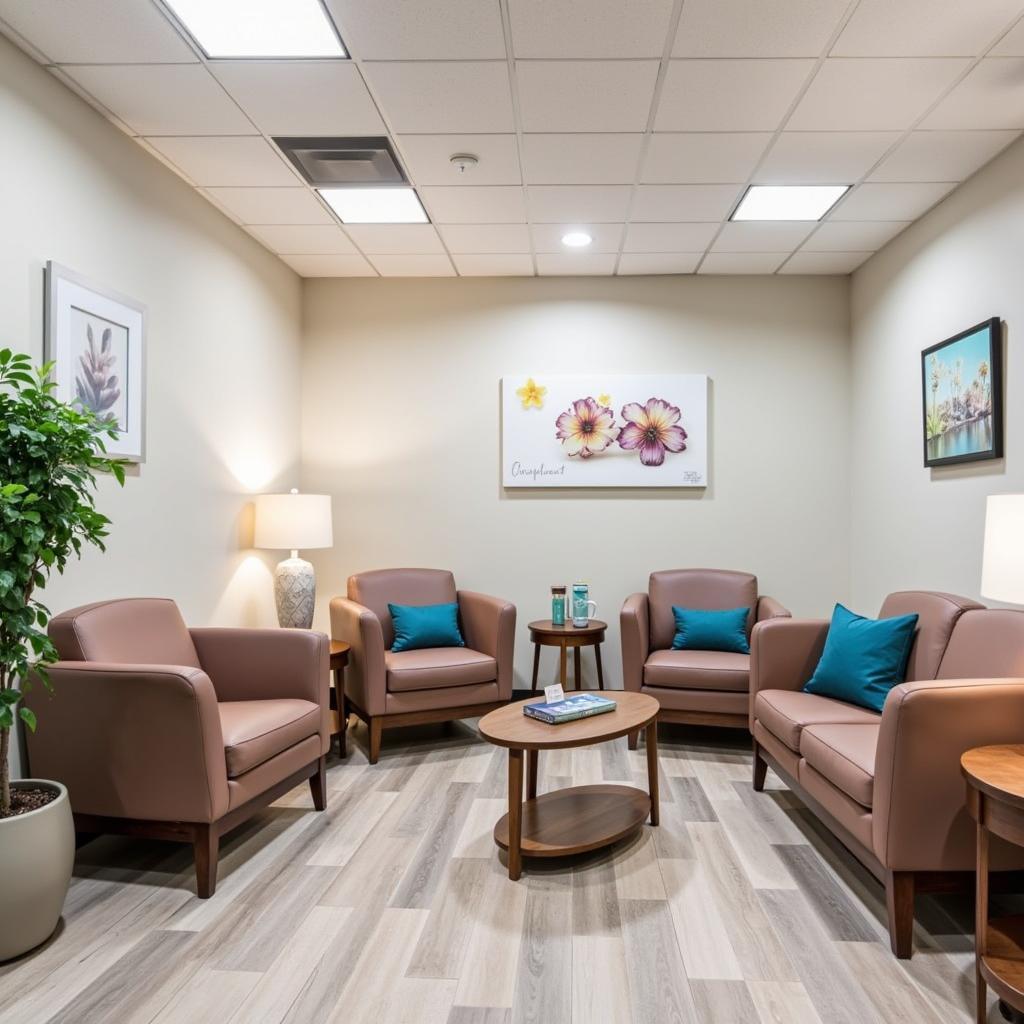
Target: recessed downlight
259 28
375 205
788 202
576 239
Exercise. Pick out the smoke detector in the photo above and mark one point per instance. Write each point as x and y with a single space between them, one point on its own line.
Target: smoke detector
464 161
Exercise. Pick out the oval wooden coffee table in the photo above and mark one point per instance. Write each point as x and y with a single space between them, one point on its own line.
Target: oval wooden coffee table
580 818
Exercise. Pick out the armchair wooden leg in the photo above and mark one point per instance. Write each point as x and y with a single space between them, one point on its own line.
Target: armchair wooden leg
633 740
206 847
318 785
376 727
343 715
899 901
760 769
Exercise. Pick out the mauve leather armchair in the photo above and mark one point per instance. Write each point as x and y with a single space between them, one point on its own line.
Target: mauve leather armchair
440 684
167 732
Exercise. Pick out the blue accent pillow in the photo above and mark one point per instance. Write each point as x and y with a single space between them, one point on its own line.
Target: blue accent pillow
863 658
700 630
428 625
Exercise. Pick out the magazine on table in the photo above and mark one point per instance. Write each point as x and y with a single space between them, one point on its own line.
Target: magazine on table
581 705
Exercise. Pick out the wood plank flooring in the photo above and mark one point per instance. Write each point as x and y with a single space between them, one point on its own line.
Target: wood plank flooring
393 907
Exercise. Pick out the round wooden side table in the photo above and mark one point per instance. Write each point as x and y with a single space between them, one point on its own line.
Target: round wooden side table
339 706
995 798
581 818
544 633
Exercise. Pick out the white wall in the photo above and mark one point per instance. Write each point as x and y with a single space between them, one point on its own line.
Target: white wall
959 265
401 424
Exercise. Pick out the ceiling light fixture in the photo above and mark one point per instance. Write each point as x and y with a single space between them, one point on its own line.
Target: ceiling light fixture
376 205
788 202
259 28
576 239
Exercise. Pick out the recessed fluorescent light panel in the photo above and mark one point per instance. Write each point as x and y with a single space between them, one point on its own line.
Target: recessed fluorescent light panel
259 28
788 202
576 239
375 205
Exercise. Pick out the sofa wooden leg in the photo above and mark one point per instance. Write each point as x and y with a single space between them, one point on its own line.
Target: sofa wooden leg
206 847
760 769
634 740
376 727
318 785
899 901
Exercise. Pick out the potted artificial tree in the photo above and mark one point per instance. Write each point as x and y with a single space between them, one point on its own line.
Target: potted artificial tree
50 453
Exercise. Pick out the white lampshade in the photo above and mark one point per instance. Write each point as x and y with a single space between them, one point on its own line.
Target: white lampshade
1002 570
293 522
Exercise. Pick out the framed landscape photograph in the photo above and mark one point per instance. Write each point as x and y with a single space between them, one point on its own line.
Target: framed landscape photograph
96 341
963 396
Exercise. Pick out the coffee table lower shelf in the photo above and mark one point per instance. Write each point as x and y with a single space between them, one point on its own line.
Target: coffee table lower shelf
1002 964
578 819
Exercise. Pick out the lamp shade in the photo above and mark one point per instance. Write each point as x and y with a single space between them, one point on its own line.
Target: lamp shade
293 521
1002 570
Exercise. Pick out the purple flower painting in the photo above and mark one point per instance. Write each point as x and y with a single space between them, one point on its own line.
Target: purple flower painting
96 384
653 429
586 428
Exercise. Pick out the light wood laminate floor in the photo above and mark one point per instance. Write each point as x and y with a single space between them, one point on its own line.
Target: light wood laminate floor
393 906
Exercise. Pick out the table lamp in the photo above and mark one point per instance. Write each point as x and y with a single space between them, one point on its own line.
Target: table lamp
294 522
1002 567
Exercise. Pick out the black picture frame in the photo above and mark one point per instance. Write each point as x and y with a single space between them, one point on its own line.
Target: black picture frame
931 382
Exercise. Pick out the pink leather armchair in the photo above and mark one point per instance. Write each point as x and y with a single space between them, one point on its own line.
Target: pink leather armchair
387 689
170 733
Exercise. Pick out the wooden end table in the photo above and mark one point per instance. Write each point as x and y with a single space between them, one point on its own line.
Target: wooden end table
580 818
995 798
544 633
339 706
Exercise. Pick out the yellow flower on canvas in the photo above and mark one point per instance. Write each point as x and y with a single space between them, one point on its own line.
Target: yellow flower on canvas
604 399
532 394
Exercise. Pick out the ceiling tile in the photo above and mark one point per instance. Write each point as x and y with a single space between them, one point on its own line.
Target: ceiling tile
447 96
393 239
592 159
548 237
97 31
330 266
554 264
924 28
703 157
763 28
762 237
891 201
302 97
486 238
424 30
942 156
589 28
884 94
414 266
853 236
670 238
824 262
427 159
809 158
1012 44
482 265
306 240
226 161
585 96
562 204
991 96
483 204
658 263
742 262
684 202
163 99
271 205
729 95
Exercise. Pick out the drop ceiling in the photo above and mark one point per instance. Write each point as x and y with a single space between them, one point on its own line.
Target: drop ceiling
641 122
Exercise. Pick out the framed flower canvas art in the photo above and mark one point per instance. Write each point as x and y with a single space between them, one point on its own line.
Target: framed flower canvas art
96 341
604 430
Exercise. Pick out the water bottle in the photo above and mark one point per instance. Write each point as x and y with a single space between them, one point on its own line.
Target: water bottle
558 606
581 605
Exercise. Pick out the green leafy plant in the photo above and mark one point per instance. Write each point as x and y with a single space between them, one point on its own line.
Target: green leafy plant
50 454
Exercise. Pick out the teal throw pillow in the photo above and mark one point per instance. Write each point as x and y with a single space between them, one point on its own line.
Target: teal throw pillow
428 625
700 630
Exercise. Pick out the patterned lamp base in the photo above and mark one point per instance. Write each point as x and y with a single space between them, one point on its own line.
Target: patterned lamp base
295 593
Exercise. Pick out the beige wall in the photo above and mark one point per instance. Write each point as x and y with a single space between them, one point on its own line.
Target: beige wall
959 265
401 425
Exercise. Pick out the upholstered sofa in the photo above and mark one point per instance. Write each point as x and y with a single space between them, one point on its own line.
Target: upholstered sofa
889 785
388 688
168 732
699 687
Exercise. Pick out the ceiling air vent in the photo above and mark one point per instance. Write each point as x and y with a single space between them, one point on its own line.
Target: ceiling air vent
327 162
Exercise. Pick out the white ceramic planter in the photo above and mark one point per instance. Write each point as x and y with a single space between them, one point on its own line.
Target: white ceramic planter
37 853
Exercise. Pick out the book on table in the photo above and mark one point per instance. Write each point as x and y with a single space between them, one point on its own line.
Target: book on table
582 705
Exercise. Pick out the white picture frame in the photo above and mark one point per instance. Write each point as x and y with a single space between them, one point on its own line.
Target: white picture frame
96 339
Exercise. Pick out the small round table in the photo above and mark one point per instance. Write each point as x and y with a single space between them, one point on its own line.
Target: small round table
544 633
995 798
339 706
580 818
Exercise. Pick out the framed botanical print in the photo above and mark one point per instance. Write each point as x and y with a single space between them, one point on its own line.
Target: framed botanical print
96 341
